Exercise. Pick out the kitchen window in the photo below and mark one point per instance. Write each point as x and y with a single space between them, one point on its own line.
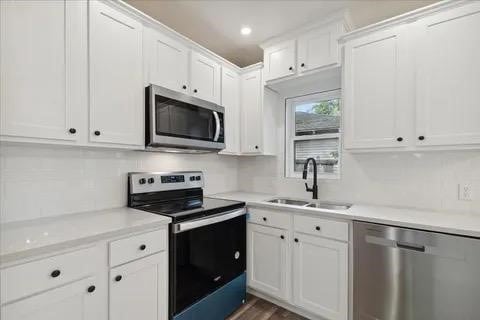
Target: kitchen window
313 131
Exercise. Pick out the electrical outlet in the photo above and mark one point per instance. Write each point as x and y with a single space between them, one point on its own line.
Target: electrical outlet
464 192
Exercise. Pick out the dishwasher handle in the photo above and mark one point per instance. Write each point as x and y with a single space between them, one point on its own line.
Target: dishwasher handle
410 246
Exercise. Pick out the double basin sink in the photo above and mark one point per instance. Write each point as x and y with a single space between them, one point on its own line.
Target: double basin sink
306 204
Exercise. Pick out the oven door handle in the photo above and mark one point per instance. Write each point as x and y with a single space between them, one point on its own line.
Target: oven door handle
217 126
188 225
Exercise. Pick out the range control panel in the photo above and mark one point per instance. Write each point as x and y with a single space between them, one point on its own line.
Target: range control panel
141 182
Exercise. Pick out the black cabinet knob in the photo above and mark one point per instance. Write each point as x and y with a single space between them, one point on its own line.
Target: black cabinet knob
195 90
302 65
96 132
282 237
256 147
184 87
118 278
399 139
72 130
291 68
317 228
55 273
265 219
143 247
91 289
296 240
421 138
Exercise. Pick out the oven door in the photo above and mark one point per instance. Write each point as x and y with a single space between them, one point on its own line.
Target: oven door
178 120
206 254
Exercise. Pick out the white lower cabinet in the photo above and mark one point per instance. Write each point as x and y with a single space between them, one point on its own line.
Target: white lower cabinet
79 300
268 260
77 285
138 290
320 276
300 260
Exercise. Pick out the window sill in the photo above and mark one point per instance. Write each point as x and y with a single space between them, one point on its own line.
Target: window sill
321 176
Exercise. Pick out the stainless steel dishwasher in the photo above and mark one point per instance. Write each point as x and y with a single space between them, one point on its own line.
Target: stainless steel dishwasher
406 274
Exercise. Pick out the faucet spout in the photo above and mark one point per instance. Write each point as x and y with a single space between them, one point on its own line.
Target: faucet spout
314 188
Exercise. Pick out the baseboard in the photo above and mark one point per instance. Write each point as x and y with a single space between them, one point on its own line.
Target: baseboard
285 305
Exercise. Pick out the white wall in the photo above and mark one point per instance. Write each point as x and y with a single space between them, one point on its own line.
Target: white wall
41 181
426 180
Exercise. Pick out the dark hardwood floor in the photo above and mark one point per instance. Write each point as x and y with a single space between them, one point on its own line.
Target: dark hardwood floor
259 309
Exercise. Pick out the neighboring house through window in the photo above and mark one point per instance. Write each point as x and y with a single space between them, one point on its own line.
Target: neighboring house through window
313 131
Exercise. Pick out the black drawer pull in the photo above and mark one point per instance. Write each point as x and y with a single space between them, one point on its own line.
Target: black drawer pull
143 247
55 273
118 278
265 219
96 132
72 130
91 289
317 228
282 237
296 240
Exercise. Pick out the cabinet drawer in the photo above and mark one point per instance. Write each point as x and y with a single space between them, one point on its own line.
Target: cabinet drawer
321 227
269 218
135 247
33 277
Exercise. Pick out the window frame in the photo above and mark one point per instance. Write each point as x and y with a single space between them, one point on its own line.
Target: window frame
290 137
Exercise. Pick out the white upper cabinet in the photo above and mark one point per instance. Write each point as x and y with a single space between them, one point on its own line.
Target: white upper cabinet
41 55
268 260
252 112
138 290
79 300
204 78
320 276
168 61
279 60
448 71
116 77
415 84
375 88
231 103
319 48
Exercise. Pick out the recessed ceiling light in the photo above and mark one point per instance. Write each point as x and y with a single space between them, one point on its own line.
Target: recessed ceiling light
246 30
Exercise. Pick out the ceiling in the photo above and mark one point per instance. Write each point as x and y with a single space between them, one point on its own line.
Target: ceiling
215 24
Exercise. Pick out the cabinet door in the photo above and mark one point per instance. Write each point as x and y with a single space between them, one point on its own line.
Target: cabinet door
449 77
116 87
252 112
320 276
377 90
168 61
138 290
73 302
40 55
319 48
279 60
205 78
268 260
231 102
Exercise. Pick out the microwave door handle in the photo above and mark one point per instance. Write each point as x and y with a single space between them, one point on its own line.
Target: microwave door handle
217 126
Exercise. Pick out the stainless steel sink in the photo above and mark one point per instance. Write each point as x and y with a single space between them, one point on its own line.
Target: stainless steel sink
329 205
290 202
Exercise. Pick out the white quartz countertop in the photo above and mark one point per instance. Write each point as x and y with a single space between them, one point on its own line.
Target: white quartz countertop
20 240
453 223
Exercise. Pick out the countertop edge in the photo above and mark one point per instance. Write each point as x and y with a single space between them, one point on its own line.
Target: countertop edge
351 215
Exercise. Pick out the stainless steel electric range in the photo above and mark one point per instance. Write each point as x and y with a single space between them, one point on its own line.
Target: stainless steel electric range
207 246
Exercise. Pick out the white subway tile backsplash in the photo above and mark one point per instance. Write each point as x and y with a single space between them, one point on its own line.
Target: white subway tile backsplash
42 181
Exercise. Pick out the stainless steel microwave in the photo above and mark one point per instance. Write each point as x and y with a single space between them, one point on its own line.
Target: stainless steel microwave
179 122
